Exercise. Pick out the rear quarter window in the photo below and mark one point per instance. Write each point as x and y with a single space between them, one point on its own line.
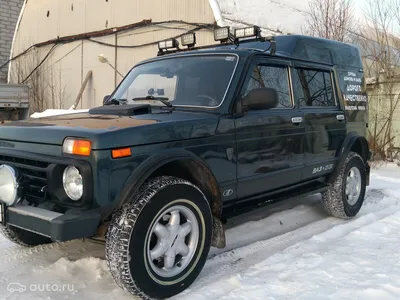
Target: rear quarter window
313 88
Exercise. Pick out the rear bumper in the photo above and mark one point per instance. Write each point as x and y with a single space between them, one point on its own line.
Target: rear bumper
58 227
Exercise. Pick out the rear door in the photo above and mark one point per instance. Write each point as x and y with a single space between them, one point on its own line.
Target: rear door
325 124
269 142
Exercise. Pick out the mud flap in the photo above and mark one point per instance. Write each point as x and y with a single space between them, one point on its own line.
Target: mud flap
218 238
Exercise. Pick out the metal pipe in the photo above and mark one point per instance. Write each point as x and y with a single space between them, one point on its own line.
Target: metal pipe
116 60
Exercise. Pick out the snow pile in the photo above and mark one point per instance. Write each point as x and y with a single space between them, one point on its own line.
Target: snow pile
355 259
57 112
287 251
274 16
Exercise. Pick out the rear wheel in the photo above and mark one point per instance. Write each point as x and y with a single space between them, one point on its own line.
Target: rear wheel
22 237
157 243
346 194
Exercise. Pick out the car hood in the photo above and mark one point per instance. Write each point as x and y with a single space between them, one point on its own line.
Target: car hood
110 131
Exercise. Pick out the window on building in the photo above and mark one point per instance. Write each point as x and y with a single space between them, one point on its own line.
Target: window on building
313 88
275 77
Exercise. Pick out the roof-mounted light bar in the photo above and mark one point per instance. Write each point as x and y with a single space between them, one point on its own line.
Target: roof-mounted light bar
168 44
222 34
248 32
189 40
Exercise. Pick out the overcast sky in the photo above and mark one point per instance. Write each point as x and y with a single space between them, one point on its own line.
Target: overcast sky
360 6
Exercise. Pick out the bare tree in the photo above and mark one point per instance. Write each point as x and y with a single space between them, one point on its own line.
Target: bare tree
381 57
331 19
46 87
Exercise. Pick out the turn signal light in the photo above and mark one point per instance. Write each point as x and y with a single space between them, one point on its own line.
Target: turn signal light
119 153
77 147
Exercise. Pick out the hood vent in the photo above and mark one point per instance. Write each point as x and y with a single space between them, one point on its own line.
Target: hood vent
122 110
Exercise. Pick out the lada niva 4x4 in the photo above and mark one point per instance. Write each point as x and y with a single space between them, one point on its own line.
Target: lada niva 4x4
186 140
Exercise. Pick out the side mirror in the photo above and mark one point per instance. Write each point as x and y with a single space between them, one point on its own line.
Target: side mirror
105 99
261 99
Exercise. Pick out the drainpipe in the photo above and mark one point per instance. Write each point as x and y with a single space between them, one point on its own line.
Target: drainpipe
217 12
116 60
13 41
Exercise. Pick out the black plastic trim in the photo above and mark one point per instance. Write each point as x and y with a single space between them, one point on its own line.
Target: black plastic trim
127 110
64 228
57 164
56 189
343 152
146 168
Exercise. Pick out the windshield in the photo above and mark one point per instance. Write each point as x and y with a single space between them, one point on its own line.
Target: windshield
182 81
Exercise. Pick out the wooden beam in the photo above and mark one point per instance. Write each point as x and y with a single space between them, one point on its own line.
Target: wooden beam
78 99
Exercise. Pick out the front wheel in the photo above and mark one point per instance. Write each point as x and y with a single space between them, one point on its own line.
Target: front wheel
346 195
157 244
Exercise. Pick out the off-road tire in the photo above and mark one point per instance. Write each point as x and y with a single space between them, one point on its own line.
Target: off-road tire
126 253
334 199
22 237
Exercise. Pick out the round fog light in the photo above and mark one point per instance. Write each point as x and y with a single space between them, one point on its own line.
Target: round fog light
8 185
73 184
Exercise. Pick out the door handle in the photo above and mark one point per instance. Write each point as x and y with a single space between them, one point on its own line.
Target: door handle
297 120
340 118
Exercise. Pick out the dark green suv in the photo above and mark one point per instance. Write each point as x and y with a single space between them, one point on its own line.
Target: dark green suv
186 140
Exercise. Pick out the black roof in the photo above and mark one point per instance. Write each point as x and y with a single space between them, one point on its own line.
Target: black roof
312 49
298 47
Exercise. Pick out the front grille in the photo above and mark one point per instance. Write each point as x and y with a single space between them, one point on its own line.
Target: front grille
34 175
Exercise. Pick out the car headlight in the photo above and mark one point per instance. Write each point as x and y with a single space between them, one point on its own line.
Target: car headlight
8 185
73 183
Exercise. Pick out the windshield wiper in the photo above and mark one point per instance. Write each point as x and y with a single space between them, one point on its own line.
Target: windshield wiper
116 102
163 100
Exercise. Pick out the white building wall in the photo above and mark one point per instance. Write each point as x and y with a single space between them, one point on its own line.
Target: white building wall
66 67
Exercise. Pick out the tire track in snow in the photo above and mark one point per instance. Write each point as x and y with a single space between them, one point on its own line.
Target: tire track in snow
225 265
18 261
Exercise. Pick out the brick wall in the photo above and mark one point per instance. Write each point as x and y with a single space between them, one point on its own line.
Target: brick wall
9 12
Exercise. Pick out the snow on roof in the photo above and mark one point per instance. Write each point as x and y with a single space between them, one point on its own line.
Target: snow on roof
274 16
56 112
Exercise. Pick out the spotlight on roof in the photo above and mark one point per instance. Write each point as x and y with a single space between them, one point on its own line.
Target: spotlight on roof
222 34
247 32
189 40
168 44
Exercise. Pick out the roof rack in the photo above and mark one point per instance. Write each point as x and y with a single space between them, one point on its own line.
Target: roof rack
222 35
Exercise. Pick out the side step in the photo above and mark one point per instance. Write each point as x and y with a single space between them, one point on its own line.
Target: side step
249 204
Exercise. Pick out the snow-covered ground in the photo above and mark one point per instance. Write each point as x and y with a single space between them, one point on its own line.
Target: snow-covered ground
291 250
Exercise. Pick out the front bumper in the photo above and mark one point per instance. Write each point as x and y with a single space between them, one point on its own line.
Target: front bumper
58 227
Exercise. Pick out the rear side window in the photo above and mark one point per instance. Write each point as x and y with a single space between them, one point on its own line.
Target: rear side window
276 77
313 88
